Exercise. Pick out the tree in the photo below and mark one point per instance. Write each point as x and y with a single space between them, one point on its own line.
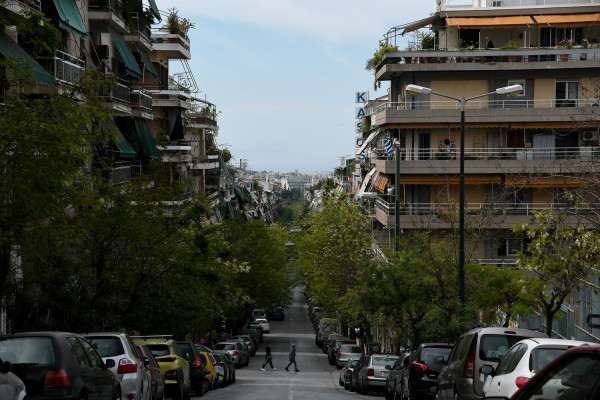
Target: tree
561 256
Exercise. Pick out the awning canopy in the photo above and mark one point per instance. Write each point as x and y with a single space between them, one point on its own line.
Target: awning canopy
24 63
125 149
567 20
413 26
545 181
365 183
70 18
148 63
517 21
470 179
146 139
381 183
131 66
154 10
368 141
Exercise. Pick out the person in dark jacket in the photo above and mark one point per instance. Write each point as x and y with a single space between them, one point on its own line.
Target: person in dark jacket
268 359
292 358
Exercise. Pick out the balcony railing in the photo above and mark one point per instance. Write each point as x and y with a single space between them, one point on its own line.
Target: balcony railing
121 92
115 6
453 4
160 35
66 69
123 171
488 209
141 99
584 153
33 5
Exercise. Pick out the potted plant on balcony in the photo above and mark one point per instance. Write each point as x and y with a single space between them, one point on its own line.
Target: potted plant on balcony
177 25
564 44
510 45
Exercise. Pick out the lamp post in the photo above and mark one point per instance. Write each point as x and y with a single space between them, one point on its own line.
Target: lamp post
416 90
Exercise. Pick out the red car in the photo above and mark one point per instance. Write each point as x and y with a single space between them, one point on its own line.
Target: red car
157 382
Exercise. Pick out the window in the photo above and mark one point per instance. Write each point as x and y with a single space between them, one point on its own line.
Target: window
92 354
510 246
493 347
78 352
567 94
518 82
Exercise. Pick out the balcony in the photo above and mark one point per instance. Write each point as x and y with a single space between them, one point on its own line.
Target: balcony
123 172
20 6
174 46
209 161
109 12
175 96
480 215
202 115
139 35
119 97
526 59
141 104
457 5
177 152
66 69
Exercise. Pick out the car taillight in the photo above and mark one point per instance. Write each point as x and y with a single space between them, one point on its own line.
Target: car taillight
166 359
196 362
348 370
236 353
126 366
56 378
370 372
469 365
521 381
418 367
362 352
340 353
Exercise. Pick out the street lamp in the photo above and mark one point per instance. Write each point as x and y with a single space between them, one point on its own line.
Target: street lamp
416 90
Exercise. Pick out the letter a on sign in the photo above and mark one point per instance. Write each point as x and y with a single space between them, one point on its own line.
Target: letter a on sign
360 112
361 97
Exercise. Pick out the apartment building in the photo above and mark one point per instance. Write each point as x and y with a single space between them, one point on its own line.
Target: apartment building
521 153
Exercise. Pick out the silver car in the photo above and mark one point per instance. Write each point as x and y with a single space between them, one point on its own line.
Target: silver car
346 352
248 342
129 370
373 375
237 352
11 386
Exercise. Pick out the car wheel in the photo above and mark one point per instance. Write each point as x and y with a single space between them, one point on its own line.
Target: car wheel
200 389
346 385
178 395
206 385
117 395
388 395
340 382
187 393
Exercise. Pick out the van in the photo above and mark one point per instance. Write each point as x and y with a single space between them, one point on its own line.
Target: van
461 378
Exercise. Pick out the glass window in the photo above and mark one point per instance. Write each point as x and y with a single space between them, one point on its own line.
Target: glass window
541 356
27 350
429 354
521 350
505 361
518 82
159 350
78 352
107 346
382 361
567 94
493 347
92 354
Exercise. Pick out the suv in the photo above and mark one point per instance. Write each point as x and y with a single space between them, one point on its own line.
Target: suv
461 378
174 367
130 371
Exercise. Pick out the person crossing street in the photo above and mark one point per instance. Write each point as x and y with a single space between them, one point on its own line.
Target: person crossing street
268 358
292 358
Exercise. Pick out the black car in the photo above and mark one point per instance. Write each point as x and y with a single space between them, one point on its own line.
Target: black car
59 366
394 377
421 370
225 361
276 314
354 375
198 380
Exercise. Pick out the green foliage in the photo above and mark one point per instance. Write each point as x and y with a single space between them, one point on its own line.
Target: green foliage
37 34
560 256
384 49
226 155
176 24
428 42
511 44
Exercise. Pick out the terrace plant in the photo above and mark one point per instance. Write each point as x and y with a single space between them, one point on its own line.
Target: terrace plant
510 45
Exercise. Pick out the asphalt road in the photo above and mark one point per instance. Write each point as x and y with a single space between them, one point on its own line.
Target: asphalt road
316 379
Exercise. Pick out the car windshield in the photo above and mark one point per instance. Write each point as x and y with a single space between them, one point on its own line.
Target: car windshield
383 361
430 353
350 349
27 350
224 346
493 347
159 350
541 356
107 346
186 348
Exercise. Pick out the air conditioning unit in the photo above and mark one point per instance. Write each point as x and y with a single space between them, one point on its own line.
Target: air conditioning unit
590 135
103 52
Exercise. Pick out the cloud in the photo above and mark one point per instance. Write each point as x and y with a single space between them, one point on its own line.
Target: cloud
331 21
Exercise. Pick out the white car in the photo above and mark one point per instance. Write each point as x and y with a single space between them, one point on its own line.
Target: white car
520 364
264 324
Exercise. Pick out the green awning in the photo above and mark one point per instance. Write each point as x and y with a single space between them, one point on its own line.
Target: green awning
70 17
131 66
24 63
154 9
146 139
148 63
125 149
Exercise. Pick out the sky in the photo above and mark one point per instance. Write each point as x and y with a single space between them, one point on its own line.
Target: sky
283 73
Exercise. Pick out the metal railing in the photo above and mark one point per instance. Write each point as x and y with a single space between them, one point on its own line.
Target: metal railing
450 4
115 6
123 171
488 209
162 35
121 92
142 99
66 69
34 5
583 153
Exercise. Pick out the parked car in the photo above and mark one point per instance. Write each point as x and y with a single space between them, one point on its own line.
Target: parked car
259 313
212 373
224 360
325 327
334 347
478 347
521 362
573 375
373 374
276 314
354 375
392 382
258 328
346 373
329 339
253 333
130 371
248 342
157 379
346 352
11 386
59 365
264 324
421 369
174 367
198 374
237 352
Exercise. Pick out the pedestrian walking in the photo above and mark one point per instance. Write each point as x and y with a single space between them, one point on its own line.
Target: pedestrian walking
292 358
268 359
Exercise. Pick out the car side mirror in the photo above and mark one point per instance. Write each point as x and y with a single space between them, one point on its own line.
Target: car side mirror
109 363
439 360
487 370
6 367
